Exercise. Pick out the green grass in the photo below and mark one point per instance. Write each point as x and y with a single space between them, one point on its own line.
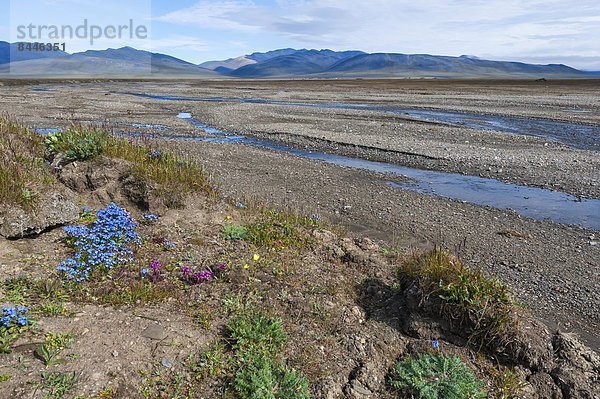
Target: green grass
436 377
275 229
24 175
481 304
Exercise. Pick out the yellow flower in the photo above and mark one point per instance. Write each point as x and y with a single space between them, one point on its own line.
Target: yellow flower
246 266
256 257
228 218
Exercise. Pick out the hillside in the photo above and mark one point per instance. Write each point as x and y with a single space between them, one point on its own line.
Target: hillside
125 61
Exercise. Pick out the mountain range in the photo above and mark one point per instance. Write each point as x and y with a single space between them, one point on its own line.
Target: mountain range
283 63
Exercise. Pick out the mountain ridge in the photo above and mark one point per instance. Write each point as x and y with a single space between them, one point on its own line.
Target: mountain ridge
281 63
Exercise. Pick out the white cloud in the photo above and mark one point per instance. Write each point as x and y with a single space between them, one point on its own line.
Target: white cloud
497 28
177 43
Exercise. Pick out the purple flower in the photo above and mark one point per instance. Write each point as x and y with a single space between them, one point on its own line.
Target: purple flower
200 277
186 271
155 265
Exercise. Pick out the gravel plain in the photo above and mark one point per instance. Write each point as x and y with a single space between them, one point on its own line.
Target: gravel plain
552 268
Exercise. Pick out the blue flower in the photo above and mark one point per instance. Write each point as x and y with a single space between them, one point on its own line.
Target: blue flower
22 321
240 205
105 242
5 321
436 344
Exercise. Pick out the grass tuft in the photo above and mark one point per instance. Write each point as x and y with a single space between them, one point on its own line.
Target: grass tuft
481 304
24 175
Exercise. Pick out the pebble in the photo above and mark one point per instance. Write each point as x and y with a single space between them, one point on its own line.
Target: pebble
154 331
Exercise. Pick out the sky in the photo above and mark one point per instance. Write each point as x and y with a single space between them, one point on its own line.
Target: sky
536 31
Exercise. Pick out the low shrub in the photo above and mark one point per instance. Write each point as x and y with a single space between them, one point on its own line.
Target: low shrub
436 377
77 143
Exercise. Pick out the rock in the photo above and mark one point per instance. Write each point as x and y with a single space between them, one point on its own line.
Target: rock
166 363
543 386
54 209
329 389
154 331
578 368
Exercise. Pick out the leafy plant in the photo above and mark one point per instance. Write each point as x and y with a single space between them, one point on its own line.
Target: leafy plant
212 363
166 384
436 377
234 232
57 385
256 334
53 346
77 143
262 378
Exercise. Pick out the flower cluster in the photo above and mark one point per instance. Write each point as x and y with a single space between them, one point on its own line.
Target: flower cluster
14 316
104 243
154 154
240 205
149 218
168 245
205 276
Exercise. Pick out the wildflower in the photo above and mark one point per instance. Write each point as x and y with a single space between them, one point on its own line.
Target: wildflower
105 242
246 266
144 272
22 321
168 246
435 344
150 218
256 257
240 205
155 265
186 271
202 276
154 154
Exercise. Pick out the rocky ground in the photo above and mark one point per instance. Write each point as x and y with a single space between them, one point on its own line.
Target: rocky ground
552 268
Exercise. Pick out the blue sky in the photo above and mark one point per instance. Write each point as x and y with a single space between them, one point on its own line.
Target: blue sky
538 31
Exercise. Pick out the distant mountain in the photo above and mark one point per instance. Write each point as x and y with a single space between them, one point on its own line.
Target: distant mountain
121 62
230 64
283 63
7 50
288 63
442 66
298 62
